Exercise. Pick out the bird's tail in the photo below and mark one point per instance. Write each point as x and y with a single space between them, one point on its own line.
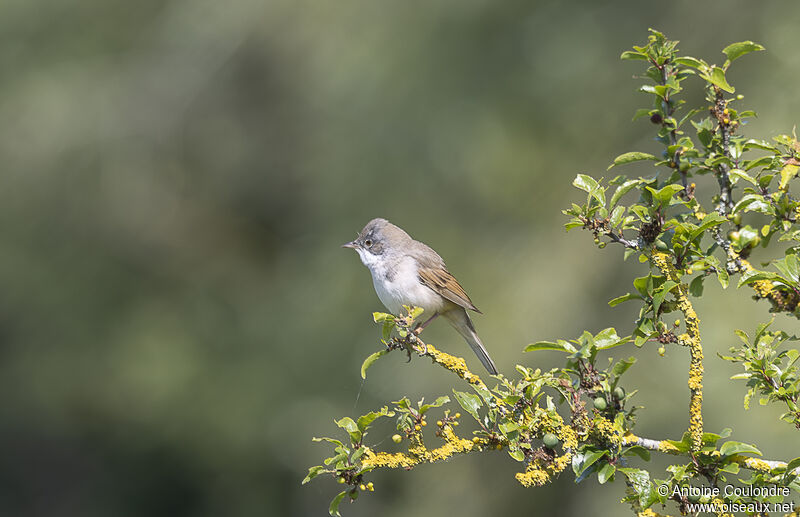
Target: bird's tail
463 324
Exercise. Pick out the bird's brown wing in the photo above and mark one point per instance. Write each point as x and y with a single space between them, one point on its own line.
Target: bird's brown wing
441 281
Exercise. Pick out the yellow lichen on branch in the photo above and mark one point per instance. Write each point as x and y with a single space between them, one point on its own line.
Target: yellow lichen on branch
781 300
418 453
690 339
455 364
541 470
411 342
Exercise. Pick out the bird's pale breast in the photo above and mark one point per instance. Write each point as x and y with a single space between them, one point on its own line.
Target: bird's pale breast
399 285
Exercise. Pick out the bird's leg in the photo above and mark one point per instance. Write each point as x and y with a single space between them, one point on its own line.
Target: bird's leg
421 326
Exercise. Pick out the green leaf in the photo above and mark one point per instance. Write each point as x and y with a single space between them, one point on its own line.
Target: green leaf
585 183
590 185
508 427
712 219
793 464
439 402
371 359
365 421
789 267
631 157
748 200
605 473
684 444
640 482
608 338
333 509
616 216
664 195
623 189
326 439
731 468
414 312
630 54
624 298
730 448
386 331
517 455
764 161
313 472
382 316
690 61
642 112
582 461
349 425
662 292
760 144
469 402
754 275
717 78
637 451
740 174
622 366
787 173
737 50
723 278
560 346
696 287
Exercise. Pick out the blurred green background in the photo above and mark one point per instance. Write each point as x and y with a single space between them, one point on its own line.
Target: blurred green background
177 319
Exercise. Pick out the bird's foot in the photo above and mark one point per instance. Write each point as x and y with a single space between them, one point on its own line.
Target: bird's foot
414 344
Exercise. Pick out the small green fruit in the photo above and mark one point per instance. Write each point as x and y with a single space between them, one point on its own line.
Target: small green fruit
397 438
600 404
662 246
550 440
619 393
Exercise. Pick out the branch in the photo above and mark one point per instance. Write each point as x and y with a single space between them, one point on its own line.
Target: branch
720 112
457 365
666 447
669 109
734 263
691 339
621 240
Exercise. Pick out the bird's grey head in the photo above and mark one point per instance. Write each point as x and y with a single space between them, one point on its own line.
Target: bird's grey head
378 238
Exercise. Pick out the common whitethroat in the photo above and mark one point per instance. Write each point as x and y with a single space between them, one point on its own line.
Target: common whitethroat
408 272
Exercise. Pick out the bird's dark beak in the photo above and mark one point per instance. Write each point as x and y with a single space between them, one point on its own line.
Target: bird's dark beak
351 244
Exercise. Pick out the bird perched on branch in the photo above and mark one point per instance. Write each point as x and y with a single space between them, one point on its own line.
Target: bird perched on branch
408 272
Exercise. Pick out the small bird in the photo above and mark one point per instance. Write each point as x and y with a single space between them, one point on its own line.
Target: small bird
408 272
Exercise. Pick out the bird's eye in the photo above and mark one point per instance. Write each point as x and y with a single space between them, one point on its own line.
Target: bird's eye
368 243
